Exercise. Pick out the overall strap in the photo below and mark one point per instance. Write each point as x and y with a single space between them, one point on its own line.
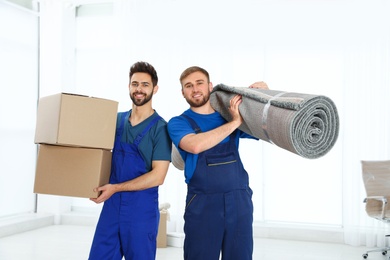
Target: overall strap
193 124
139 137
123 118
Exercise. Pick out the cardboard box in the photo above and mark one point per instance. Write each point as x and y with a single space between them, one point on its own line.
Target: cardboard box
162 230
75 120
71 171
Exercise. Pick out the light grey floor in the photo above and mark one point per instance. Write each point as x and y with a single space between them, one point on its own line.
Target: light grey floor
65 242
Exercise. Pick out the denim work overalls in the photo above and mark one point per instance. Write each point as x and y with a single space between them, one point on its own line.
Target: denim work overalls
219 209
128 222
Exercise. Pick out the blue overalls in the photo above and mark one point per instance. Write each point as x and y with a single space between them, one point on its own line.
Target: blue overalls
219 210
128 222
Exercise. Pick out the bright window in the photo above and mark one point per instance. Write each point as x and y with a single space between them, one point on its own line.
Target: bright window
18 101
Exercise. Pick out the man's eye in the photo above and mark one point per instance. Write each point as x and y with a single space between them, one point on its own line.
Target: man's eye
134 84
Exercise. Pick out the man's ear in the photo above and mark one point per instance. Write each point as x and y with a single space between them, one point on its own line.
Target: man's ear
155 89
210 86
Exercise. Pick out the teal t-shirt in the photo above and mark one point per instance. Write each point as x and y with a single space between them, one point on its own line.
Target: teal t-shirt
156 145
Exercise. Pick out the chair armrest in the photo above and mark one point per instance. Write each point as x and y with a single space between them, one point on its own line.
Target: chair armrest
379 198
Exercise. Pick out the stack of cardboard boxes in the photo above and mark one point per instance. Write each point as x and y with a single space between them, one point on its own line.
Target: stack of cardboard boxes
75 135
162 229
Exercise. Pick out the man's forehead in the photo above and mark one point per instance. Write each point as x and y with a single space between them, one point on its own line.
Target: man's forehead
140 81
141 77
195 77
194 80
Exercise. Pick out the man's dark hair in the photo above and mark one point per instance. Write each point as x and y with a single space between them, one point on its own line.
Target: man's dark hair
144 67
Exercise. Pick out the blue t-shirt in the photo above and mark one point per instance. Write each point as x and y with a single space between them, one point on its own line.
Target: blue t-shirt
178 127
155 145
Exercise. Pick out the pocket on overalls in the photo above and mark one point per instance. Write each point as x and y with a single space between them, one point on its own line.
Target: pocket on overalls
220 159
190 200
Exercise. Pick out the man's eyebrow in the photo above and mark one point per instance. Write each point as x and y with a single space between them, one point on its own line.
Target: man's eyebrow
142 82
198 80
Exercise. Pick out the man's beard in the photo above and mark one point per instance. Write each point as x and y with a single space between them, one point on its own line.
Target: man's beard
141 102
198 103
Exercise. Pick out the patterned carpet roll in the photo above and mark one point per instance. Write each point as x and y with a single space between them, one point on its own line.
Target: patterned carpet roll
307 125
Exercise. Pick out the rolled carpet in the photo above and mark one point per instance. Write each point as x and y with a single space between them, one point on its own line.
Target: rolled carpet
305 124
177 160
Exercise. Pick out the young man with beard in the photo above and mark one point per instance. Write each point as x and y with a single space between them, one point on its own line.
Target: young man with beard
129 219
219 211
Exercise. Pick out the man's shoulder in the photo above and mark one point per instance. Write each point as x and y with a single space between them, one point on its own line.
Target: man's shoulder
161 120
121 114
178 118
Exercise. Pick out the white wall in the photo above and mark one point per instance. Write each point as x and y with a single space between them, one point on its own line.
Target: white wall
282 43
18 101
298 46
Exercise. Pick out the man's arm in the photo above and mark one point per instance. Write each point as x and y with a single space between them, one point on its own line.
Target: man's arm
259 84
197 143
150 179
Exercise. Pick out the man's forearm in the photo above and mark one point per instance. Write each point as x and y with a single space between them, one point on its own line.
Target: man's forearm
197 143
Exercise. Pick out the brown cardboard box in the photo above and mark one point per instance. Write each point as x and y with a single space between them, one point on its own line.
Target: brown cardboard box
71 171
162 230
75 120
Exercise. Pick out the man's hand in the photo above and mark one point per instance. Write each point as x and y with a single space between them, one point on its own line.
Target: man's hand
259 84
107 191
233 108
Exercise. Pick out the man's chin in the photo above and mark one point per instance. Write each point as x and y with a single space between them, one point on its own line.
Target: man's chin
197 103
140 104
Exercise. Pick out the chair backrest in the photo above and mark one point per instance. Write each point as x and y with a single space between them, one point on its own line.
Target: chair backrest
376 178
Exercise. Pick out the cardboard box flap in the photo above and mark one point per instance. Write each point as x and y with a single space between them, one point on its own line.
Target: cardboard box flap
48 119
76 120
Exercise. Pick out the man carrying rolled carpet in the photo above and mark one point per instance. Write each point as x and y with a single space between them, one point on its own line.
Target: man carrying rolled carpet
219 210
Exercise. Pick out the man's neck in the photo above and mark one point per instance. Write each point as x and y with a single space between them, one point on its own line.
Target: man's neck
140 113
205 109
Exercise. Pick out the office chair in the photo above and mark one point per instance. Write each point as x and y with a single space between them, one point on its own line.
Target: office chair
376 178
